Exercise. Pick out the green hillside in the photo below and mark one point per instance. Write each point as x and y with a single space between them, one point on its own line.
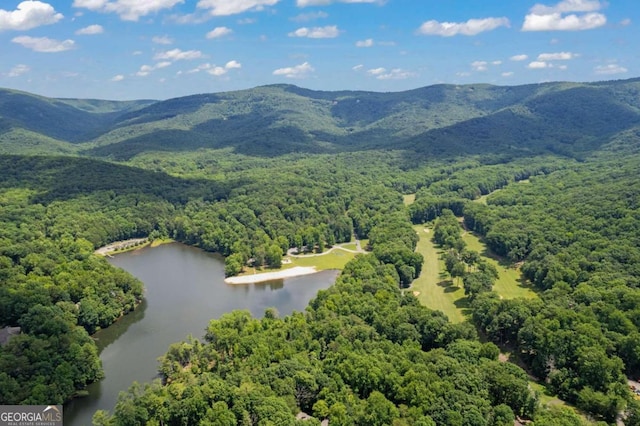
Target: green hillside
443 120
17 140
570 119
66 120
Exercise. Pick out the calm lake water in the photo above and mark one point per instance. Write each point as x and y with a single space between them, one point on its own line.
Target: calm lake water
184 290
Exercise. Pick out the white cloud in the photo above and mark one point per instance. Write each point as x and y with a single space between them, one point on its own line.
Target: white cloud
128 10
469 28
610 69
377 71
44 44
556 22
330 31
482 66
519 57
559 56
396 74
539 65
311 16
358 67
144 71
233 7
189 18
479 65
625 22
304 3
567 6
199 68
178 55
90 30
219 32
507 74
247 21
162 40
90 4
29 14
216 70
365 43
18 70
298 71
382 73
568 15
118 77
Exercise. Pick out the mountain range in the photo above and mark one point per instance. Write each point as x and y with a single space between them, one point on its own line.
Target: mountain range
569 119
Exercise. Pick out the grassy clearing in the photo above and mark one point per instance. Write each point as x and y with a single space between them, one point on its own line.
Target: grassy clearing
334 260
510 283
349 246
160 241
433 287
548 400
409 199
545 398
483 198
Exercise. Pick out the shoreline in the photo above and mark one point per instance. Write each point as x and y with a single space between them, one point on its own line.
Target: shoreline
270 276
132 244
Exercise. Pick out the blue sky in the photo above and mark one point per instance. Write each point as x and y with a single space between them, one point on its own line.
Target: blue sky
158 49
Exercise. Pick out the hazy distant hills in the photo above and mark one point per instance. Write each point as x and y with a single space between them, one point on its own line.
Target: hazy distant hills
443 120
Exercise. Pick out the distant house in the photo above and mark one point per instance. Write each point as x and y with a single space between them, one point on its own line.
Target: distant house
7 333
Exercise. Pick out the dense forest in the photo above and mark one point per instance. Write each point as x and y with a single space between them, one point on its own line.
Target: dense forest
254 173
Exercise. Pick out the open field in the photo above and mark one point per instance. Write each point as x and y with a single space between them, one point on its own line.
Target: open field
547 400
409 199
349 246
510 283
433 287
334 260
483 198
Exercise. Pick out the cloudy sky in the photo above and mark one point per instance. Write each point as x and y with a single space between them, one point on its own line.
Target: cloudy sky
128 49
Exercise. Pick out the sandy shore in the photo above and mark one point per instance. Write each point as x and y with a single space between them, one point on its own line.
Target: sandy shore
269 276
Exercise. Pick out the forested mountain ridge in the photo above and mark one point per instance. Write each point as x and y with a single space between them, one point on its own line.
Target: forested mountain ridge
569 119
67 120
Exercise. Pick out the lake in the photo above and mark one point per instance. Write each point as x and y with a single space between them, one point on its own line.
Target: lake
184 289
